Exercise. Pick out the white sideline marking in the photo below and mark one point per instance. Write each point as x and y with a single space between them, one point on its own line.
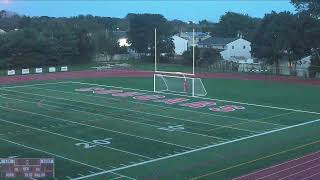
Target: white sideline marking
62 157
38 84
104 116
277 165
96 127
200 149
249 104
73 138
199 122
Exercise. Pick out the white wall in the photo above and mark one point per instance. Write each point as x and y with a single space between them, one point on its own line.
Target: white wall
238 49
180 45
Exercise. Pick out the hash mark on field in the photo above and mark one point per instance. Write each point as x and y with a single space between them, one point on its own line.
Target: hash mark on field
96 127
130 110
73 138
181 95
242 103
116 178
127 120
203 148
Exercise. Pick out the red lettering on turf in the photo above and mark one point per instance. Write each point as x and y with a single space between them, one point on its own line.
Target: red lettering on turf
172 101
110 91
199 104
127 94
149 97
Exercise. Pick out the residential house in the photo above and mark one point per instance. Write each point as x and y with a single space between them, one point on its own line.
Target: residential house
122 38
302 66
180 45
231 49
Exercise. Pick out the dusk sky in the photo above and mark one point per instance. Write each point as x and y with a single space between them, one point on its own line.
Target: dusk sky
182 10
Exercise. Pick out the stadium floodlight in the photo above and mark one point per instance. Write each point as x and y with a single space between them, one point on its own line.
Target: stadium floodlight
177 82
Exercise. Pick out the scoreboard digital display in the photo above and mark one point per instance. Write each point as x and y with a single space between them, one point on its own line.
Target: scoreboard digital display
26 168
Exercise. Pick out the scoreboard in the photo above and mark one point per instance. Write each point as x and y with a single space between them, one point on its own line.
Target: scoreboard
26 168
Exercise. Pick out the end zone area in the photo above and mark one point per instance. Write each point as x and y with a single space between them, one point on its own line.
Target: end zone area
96 130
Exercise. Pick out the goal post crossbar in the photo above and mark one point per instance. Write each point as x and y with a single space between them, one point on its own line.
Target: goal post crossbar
189 86
177 82
174 73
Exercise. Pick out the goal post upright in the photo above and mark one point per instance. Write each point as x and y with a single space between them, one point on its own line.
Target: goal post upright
193 59
155 59
175 82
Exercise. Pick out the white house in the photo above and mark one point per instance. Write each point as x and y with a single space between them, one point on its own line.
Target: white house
122 38
180 45
231 49
302 66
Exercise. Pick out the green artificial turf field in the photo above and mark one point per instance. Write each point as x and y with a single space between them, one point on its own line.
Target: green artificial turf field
104 136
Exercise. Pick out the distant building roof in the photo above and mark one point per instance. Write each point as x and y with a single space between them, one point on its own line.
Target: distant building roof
217 41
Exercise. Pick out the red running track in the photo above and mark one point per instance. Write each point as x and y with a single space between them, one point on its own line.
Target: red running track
303 168
125 73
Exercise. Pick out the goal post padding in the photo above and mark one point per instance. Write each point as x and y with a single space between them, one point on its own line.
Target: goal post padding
179 83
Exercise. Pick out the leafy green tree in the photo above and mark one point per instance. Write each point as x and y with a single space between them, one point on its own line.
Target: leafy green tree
232 23
188 56
141 31
210 56
276 38
311 7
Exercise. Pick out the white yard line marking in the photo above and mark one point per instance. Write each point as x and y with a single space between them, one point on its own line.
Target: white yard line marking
116 178
200 149
148 104
73 138
38 84
96 114
237 102
59 156
130 110
96 127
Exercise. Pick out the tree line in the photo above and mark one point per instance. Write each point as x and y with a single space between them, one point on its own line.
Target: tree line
43 41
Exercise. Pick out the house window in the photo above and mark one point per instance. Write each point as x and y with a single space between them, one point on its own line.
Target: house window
232 47
244 47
